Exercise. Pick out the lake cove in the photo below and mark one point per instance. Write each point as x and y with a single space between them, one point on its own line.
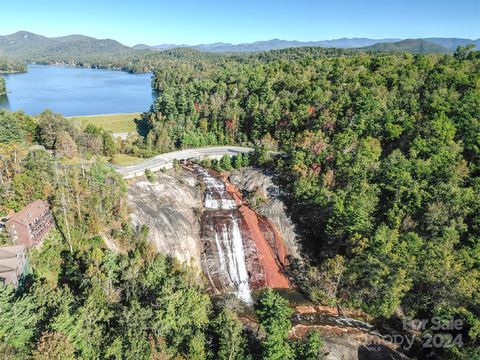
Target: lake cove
77 91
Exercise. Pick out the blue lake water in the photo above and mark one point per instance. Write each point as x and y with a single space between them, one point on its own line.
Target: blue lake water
77 91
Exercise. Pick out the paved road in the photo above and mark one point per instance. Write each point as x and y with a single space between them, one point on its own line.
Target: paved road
166 160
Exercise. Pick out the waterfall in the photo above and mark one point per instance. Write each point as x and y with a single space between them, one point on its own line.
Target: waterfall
221 234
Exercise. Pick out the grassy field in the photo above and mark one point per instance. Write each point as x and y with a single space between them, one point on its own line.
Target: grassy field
124 159
116 123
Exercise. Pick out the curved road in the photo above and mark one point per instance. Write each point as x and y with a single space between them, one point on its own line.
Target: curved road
166 160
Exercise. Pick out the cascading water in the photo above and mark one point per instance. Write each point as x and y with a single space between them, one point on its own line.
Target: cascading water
223 246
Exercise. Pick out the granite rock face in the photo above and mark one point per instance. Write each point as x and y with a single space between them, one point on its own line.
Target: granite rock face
198 217
254 181
241 250
170 207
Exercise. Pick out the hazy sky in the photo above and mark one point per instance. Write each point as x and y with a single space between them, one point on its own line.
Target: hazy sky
205 21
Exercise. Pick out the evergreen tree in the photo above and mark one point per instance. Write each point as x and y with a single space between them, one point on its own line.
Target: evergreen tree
310 348
226 163
18 320
238 161
3 87
228 336
246 160
274 317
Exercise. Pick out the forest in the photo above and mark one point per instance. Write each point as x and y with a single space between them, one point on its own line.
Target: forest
117 57
9 65
82 300
381 166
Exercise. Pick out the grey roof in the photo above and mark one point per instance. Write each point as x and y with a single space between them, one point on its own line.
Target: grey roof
8 252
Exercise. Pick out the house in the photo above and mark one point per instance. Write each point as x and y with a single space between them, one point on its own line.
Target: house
29 226
13 264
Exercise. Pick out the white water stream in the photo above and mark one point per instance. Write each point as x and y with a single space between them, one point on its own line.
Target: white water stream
228 237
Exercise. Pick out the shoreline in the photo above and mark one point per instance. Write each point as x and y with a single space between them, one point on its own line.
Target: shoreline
84 116
67 65
12 72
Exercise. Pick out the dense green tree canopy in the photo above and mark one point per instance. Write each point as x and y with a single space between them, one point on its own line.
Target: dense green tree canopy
9 65
382 164
273 315
80 299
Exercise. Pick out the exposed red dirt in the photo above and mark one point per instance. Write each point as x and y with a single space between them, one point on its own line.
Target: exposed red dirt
271 252
336 311
274 239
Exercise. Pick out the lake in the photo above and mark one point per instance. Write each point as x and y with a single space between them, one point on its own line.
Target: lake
77 91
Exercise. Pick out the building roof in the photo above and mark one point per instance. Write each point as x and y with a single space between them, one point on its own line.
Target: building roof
12 262
29 212
7 252
9 264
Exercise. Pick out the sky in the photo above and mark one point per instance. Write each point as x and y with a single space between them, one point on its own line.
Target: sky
206 21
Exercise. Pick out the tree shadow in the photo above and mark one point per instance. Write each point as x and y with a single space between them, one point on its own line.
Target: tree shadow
72 271
308 219
4 103
142 125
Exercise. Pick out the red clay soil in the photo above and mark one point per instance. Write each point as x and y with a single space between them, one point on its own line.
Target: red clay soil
273 237
274 276
271 259
233 192
336 311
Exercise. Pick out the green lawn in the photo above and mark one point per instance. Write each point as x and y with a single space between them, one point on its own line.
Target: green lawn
116 123
124 159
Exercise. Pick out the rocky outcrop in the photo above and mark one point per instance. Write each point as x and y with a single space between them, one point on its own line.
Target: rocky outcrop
195 217
265 253
241 250
201 220
255 182
344 343
170 207
345 338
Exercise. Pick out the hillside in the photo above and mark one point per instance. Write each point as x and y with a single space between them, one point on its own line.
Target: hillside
277 44
79 49
380 168
453 43
8 65
29 46
379 174
74 50
415 46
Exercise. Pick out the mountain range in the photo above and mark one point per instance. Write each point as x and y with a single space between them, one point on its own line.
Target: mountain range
416 46
274 44
24 44
28 45
443 44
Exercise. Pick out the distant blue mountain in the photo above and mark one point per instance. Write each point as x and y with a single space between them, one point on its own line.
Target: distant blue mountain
345 43
276 44
453 43
28 45
414 46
